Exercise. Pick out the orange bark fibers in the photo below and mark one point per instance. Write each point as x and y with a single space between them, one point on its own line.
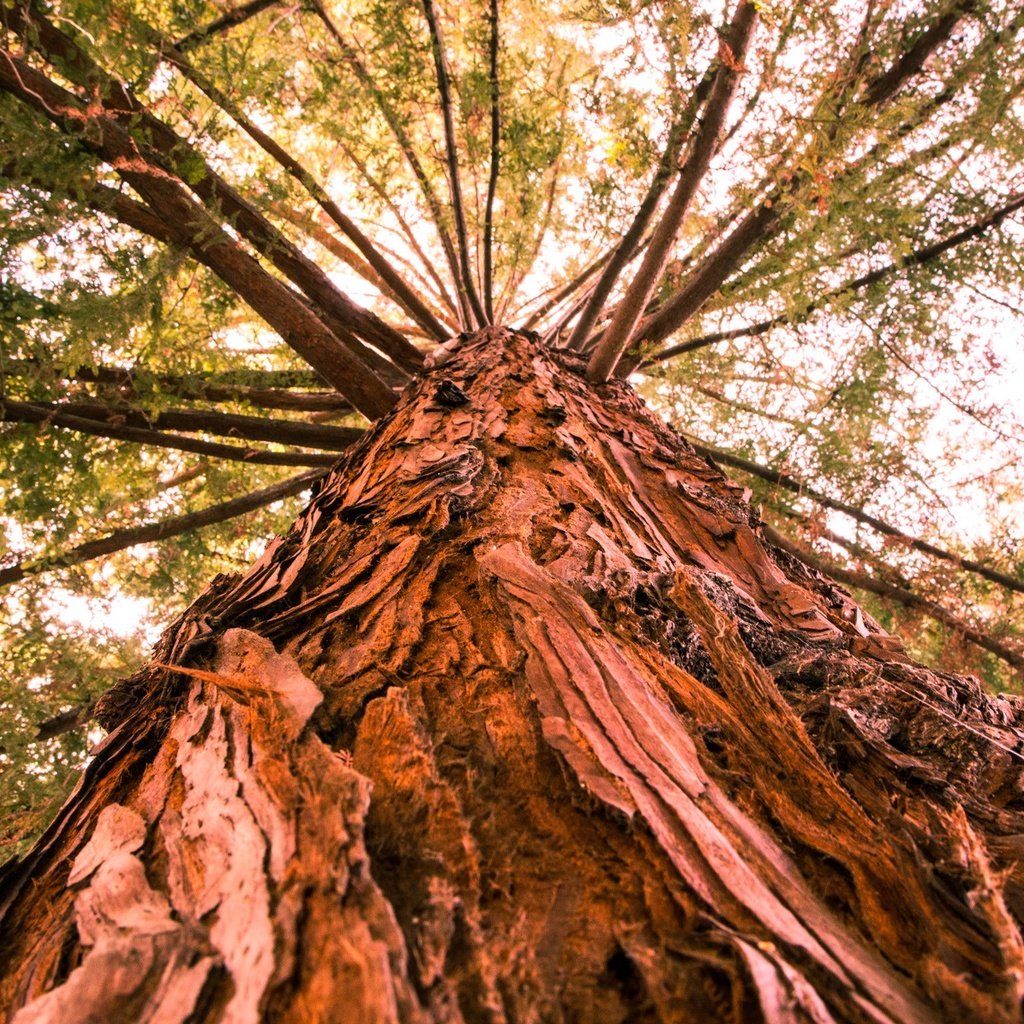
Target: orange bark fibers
536 727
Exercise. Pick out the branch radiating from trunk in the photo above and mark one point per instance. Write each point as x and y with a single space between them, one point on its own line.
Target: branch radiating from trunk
791 483
158 147
27 412
226 424
198 233
451 147
399 289
883 88
919 257
394 123
495 158
268 389
619 334
766 216
627 246
162 529
228 20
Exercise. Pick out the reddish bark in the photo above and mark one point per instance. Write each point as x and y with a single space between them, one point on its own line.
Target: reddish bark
584 748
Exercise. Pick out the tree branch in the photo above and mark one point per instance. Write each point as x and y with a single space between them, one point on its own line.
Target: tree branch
399 290
351 57
864 581
619 334
560 294
763 220
492 179
228 20
385 197
197 232
910 62
248 428
267 389
791 483
162 529
628 244
919 257
27 412
452 156
164 148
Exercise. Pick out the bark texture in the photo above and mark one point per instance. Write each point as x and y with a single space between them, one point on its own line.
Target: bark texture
525 721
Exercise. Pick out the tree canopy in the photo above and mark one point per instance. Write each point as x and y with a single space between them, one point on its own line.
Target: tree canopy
232 234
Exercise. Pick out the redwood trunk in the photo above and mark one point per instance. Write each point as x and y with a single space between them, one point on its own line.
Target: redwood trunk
525 721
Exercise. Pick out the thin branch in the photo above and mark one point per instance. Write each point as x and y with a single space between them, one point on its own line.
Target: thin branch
228 20
619 334
320 232
247 428
917 258
864 581
627 245
561 294
452 157
254 386
27 412
351 57
791 483
162 529
410 235
398 289
492 179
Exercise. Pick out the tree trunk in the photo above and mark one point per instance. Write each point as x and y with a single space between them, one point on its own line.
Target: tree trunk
553 734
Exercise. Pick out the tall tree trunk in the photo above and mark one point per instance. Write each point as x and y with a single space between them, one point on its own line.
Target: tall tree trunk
525 721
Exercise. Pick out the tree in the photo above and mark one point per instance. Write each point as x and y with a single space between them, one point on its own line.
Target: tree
531 714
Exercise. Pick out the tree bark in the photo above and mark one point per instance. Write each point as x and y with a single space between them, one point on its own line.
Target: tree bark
524 720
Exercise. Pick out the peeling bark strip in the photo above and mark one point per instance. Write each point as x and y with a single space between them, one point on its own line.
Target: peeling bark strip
553 735
245 827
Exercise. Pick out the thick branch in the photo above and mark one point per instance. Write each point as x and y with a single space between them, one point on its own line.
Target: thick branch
791 483
910 62
162 529
196 231
27 412
452 156
765 218
163 146
618 336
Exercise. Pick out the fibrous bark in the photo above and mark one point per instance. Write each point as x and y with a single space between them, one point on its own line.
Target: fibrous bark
524 720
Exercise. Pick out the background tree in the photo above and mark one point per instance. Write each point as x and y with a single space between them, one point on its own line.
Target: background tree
234 236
